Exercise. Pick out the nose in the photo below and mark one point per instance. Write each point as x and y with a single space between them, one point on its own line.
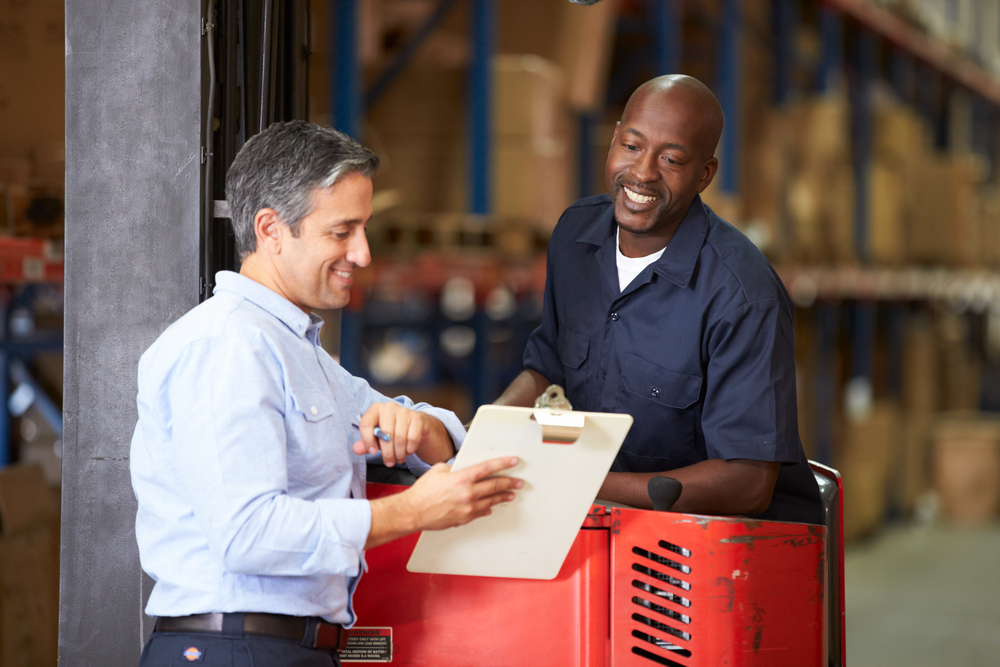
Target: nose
358 252
643 168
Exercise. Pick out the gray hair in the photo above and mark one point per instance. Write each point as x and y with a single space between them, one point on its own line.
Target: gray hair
279 169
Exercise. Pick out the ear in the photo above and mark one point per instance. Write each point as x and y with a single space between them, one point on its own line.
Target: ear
269 230
708 174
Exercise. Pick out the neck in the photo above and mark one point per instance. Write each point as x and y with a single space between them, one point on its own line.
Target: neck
642 245
260 268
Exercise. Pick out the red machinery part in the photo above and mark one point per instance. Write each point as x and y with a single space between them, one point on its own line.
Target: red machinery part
696 590
638 588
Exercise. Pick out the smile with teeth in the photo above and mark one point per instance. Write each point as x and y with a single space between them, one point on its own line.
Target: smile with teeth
343 274
638 198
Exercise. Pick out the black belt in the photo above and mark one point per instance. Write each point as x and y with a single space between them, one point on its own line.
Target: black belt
309 630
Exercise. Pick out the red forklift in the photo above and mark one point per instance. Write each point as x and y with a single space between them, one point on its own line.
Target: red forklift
638 588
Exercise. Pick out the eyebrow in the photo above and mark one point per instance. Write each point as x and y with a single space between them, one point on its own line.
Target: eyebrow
678 147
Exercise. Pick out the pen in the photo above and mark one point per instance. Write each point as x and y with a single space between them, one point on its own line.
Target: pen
379 433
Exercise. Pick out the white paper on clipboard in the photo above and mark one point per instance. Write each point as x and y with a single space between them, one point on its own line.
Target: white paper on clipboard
529 537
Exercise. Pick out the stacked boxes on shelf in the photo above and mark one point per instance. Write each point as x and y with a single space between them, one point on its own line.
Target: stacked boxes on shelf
418 128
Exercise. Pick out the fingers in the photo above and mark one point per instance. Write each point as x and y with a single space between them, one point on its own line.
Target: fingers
487 468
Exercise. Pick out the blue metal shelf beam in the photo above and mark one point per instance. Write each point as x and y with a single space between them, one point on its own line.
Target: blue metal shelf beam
345 84
832 50
729 94
480 106
784 22
667 28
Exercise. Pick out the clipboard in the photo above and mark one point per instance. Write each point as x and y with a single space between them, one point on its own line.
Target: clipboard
529 537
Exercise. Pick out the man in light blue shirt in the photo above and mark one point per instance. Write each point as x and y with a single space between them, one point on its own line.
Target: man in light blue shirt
248 460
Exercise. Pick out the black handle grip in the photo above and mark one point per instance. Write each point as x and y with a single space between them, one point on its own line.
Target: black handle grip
664 492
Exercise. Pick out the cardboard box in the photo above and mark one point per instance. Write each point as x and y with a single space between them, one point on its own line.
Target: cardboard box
910 473
929 211
989 224
921 378
886 232
764 185
579 39
427 101
418 129
967 467
820 130
529 98
29 568
901 135
863 460
32 77
944 215
820 205
959 367
531 181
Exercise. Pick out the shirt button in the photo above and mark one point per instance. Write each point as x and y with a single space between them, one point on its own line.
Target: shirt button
614 317
655 392
314 410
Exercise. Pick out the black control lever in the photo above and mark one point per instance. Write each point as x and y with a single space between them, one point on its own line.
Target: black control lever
664 492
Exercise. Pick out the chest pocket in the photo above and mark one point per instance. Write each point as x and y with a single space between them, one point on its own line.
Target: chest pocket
574 348
315 451
664 405
314 406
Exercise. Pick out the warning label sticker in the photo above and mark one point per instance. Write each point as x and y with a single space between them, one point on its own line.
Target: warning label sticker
368 645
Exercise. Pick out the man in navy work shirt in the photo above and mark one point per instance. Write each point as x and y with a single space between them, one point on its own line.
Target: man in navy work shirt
248 460
656 307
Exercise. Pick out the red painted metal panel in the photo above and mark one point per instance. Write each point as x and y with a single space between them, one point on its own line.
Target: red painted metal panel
690 590
638 589
456 621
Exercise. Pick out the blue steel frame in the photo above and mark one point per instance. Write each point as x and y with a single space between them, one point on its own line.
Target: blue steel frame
729 94
12 351
345 83
479 106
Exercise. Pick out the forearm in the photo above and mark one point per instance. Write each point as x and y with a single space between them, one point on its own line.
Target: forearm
442 499
392 517
710 487
525 388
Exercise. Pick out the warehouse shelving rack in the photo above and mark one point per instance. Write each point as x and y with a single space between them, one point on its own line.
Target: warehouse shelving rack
852 35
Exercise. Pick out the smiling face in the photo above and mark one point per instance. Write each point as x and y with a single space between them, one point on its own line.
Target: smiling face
661 157
316 268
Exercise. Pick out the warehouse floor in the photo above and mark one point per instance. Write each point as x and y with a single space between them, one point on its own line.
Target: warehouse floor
924 595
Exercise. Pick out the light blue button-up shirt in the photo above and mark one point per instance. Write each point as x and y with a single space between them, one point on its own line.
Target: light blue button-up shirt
250 498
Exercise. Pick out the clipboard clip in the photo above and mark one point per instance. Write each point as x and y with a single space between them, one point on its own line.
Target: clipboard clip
554 413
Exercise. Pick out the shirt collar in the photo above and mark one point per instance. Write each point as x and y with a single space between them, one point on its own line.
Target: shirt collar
307 326
678 261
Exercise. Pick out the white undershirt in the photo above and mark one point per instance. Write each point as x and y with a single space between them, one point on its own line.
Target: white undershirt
630 267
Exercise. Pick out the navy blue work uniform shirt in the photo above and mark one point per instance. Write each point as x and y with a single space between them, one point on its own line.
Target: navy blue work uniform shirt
698 348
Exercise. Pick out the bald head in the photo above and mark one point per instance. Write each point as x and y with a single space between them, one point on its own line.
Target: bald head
661 156
688 97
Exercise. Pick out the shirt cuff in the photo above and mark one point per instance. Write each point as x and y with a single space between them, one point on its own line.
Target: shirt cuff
451 424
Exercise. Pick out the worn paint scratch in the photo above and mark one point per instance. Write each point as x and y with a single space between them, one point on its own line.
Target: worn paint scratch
758 626
616 522
727 592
